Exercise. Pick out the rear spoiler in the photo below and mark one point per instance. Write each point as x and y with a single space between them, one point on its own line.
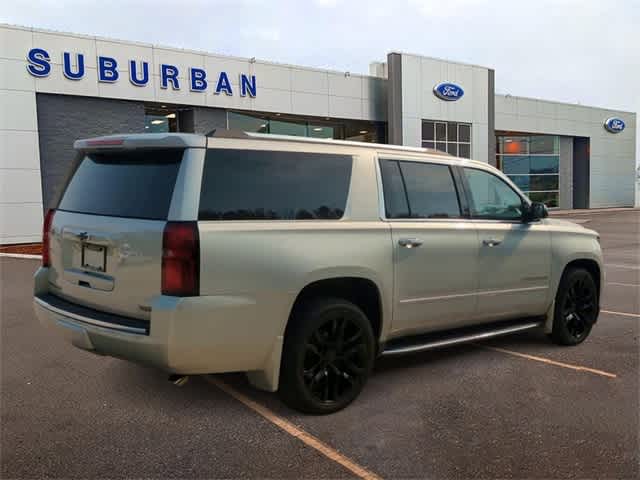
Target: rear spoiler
141 140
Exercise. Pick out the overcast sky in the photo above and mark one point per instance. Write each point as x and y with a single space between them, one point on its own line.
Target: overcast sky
582 51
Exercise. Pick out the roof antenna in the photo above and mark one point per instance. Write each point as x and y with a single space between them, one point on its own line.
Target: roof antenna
210 133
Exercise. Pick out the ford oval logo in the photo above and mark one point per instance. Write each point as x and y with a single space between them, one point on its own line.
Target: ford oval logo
448 91
614 124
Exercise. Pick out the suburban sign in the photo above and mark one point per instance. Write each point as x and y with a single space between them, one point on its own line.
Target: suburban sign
448 91
108 71
614 124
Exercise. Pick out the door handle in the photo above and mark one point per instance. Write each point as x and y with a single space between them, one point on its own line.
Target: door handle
409 242
491 242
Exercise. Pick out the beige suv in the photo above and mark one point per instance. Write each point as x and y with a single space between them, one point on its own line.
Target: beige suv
300 261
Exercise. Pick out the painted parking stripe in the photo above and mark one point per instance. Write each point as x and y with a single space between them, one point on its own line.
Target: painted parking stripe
21 255
619 265
550 362
294 431
624 314
637 285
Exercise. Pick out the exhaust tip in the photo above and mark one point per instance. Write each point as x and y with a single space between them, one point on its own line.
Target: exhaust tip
179 380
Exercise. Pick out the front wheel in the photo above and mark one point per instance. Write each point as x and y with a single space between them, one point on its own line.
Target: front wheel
576 308
327 357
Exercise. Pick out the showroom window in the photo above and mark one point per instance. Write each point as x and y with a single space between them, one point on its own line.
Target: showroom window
450 137
278 124
160 120
532 162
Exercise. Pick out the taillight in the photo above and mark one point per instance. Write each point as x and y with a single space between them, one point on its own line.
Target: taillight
181 259
46 228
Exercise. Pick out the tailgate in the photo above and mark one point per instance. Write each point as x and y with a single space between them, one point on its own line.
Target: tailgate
106 235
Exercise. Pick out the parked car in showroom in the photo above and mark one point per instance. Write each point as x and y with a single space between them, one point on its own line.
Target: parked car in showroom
300 261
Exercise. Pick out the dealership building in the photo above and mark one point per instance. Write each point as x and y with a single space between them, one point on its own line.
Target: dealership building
57 87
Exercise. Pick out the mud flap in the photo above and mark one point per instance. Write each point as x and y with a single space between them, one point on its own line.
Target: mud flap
268 378
548 318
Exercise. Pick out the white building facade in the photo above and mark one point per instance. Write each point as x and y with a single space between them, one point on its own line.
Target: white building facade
57 87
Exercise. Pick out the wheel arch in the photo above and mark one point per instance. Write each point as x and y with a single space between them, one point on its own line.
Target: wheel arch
589 265
592 265
361 291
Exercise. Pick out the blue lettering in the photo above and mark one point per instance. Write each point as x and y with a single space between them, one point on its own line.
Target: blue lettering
67 67
39 65
169 73
247 85
107 69
198 82
133 73
224 84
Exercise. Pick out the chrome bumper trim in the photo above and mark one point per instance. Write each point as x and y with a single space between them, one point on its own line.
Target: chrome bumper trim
89 321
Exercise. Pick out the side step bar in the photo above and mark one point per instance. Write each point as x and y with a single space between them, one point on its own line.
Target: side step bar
445 339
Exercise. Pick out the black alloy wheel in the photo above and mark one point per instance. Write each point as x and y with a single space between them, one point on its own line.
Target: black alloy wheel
327 357
336 357
576 307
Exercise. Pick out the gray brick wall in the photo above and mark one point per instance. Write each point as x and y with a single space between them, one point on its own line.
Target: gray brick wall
206 119
62 119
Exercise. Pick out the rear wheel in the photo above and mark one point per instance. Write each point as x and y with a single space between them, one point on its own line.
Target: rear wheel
327 357
576 308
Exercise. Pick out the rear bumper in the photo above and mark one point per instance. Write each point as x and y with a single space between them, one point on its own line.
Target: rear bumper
88 330
190 335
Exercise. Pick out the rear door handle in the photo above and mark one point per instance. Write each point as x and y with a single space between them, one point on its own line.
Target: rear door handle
491 242
409 242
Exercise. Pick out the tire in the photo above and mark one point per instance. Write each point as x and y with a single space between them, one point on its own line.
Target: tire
327 357
576 307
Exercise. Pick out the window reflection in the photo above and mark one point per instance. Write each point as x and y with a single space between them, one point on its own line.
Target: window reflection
533 164
273 185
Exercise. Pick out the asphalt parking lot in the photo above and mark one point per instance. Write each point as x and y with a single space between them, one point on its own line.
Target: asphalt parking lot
516 407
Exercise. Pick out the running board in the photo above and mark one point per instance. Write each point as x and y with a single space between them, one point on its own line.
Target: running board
432 341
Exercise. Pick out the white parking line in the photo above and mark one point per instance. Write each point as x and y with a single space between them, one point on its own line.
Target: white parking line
550 362
294 431
637 285
618 265
20 255
624 314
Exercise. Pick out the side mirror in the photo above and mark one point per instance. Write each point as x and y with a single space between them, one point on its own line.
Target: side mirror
535 211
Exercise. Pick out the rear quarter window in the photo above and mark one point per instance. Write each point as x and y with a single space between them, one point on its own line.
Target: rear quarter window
274 185
136 184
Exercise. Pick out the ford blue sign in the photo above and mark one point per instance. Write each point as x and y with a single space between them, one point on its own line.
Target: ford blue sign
614 124
448 91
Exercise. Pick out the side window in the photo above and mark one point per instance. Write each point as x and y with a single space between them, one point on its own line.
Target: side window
419 190
430 189
395 197
491 197
272 185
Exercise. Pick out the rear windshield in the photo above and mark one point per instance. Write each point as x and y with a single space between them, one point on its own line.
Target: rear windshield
274 185
137 184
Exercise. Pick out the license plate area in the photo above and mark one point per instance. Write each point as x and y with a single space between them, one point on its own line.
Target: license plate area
94 257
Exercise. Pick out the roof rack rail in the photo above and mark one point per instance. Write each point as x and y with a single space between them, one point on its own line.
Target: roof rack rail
351 143
226 133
